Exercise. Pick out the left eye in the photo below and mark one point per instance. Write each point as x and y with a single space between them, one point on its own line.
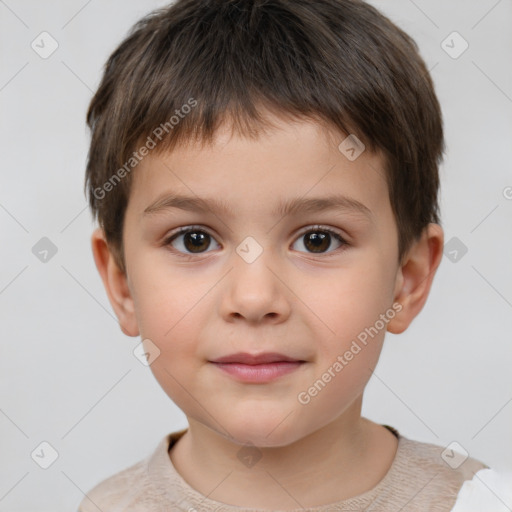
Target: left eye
318 240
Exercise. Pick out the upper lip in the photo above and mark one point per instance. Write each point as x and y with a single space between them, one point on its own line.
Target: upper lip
245 358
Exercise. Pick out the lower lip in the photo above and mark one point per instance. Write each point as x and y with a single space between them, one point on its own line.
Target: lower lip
258 372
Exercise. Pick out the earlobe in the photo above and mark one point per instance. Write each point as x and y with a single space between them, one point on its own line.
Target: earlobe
415 276
115 283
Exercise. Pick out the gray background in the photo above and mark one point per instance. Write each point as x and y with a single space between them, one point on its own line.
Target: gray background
68 374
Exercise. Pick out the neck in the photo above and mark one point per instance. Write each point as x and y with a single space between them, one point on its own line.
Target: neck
341 460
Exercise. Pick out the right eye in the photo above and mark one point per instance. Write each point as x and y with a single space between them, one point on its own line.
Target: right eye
189 240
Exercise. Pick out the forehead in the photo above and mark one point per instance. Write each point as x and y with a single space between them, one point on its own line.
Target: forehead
292 160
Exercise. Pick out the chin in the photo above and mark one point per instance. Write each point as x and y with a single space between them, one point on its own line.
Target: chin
265 431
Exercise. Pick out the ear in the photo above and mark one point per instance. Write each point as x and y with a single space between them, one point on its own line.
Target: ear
115 282
415 275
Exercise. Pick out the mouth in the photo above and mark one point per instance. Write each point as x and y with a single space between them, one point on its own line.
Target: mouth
257 368
254 359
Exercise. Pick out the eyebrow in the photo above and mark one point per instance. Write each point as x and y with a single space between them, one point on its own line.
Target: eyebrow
294 206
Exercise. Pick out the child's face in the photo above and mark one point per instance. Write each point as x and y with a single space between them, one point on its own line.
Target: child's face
197 307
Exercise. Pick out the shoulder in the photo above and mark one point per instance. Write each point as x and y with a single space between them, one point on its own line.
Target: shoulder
133 489
124 488
449 460
432 475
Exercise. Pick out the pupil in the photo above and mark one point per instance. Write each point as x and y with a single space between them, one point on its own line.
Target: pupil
319 241
195 241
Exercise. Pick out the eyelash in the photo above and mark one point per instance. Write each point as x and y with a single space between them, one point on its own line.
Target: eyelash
187 229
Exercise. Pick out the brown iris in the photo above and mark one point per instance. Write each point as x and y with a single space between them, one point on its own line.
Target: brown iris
317 241
196 241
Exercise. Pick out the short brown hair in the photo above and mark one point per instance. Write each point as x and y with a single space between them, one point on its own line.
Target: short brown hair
337 61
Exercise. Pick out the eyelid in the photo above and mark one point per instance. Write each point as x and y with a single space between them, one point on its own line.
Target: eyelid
188 227
320 227
185 229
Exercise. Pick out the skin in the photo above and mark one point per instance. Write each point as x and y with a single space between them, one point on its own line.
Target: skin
196 307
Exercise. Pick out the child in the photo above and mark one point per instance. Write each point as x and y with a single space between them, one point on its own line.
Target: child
265 175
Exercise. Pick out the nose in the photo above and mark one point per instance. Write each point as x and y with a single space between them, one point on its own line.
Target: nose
255 291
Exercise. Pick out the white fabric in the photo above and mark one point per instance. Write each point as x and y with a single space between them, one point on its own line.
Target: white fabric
488 491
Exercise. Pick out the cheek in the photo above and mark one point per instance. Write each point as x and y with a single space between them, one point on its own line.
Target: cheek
164 301
339 382
170 321
353 300
351 306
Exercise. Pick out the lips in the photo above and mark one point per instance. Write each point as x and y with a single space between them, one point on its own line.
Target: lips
254 359
257 368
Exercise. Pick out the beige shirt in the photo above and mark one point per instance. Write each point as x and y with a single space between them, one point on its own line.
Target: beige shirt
418 480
